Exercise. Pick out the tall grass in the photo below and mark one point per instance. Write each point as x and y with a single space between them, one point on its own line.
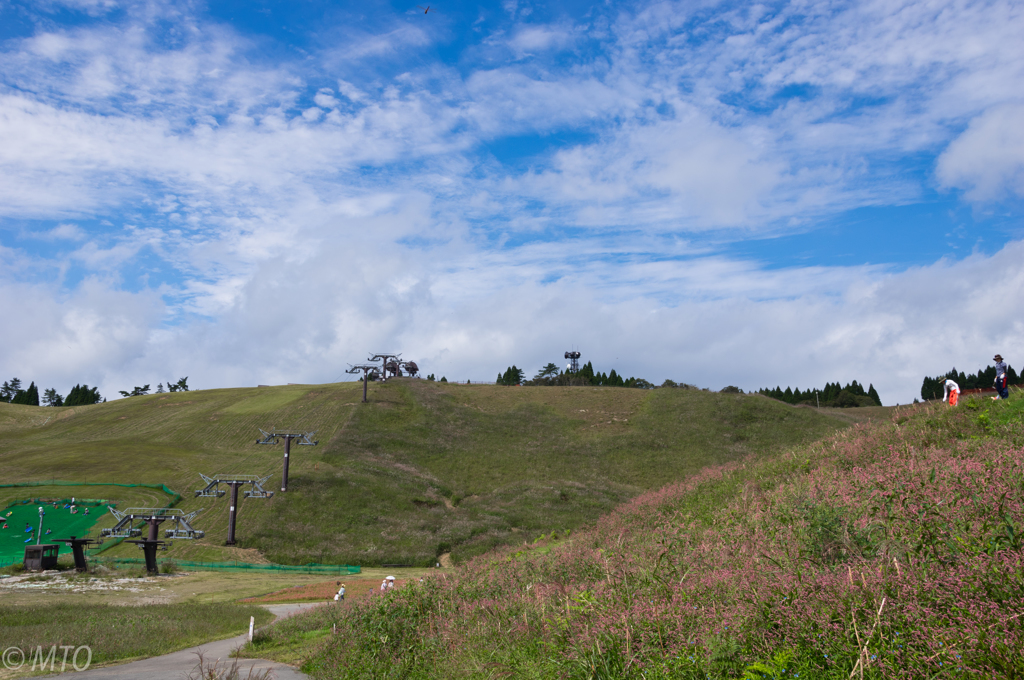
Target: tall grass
121 632
892 551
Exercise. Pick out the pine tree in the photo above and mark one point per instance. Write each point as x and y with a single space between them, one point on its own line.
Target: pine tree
10 389
28 397
82 395
51 398
873 394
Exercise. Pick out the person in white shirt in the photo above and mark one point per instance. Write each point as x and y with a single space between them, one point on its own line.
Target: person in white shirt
341 592
1001 378
950 391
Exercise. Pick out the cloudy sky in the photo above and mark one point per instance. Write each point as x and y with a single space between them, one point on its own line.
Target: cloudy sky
719 193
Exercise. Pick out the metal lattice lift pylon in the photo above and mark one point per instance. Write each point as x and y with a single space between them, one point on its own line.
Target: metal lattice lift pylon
153 517
305 439
367 369
234 481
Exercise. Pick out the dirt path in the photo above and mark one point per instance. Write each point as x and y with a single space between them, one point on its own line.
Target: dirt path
177 665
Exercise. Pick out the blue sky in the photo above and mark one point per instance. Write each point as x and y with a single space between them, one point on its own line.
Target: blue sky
713 192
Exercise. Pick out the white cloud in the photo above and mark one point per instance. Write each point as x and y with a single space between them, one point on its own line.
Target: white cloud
534 39
731 323
987 160
64 232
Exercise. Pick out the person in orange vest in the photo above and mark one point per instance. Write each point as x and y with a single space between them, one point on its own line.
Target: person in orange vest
951 391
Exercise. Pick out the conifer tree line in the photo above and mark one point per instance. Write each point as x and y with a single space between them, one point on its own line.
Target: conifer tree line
180 386
79 395
931 388
552 375
833 395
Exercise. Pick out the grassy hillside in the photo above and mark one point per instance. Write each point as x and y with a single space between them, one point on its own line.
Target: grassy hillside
423 469
890 550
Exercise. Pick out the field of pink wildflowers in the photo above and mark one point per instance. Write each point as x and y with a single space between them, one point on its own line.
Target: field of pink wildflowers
892 550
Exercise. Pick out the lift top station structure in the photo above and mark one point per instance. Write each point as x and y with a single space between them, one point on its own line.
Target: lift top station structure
153 517
574 361
213 490
367 370
389 362
305 439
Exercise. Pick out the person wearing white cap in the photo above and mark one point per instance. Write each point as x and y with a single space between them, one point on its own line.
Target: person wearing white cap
1001 388
951 391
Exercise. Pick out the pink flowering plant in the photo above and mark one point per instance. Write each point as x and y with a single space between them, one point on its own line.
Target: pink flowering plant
889 550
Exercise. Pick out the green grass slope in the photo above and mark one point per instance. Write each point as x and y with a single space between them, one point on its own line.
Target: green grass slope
424 469
889 550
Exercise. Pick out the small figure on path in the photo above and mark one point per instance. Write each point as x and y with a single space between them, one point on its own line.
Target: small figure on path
1004 392
341 592
951 391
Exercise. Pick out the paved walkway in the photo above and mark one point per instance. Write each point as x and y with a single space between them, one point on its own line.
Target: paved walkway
177 665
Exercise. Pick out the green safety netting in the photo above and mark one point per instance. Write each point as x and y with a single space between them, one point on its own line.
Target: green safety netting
57 482
330 569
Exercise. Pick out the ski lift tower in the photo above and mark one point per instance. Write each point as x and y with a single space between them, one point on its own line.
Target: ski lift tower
305 439
213 490
385 360
574 361
367 369
153 517
78 546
